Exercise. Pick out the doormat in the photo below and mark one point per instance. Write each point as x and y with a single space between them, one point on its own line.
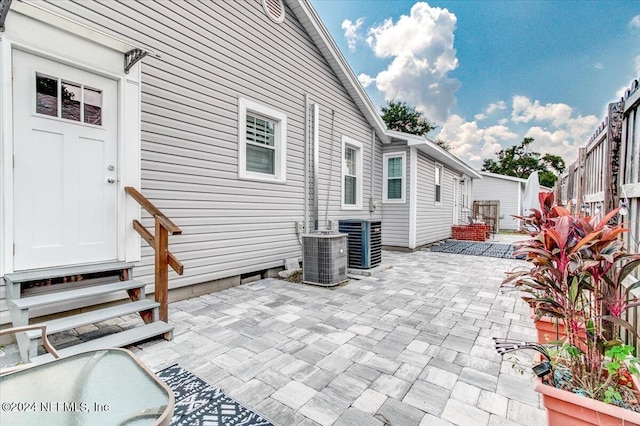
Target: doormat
199 403
475 248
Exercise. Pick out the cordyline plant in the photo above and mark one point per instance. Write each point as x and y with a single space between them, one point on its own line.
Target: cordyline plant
577 273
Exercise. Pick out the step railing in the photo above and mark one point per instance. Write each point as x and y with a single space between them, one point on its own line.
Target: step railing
160 243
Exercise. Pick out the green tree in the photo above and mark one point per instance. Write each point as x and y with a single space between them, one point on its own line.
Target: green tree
520 161
405 118
443 144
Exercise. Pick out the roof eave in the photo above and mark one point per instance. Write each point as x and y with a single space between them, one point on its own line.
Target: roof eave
434 151
306 14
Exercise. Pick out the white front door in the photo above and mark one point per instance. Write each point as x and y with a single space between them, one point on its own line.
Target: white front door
65 146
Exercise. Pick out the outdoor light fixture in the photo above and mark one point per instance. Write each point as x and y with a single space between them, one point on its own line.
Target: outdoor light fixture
624 204
624 207
504 346
542 369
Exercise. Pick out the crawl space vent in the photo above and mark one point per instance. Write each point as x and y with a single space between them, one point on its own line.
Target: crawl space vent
274 10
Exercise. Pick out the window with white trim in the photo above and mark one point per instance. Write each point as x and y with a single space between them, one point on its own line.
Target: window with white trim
393 182
351 174
438 183
262 142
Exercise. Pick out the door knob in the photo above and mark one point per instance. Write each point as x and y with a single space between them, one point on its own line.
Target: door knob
111 180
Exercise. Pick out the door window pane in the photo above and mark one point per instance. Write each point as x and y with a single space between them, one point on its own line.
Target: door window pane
92 106
71 100
46 95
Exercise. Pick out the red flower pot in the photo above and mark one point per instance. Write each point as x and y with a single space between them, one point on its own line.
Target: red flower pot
549 329
569 409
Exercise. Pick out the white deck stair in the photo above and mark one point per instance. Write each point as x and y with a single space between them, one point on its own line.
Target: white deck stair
98 291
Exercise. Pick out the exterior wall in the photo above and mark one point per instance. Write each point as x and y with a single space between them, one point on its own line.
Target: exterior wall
433 222
395 216
505 191
211 53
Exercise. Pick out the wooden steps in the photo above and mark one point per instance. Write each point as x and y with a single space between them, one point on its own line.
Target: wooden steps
81 293
92 317
115 340
59 300
64 271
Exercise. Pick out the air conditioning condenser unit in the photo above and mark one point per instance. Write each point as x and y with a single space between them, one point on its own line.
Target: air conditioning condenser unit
324 258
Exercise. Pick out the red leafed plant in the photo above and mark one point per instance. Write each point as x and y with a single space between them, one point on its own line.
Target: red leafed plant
578 265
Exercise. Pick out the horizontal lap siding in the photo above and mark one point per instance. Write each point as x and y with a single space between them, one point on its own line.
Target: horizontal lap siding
395 217
433 222
211 53
505 191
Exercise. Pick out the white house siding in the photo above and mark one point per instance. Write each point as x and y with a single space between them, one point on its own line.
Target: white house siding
433 222
503 190
210 54
395 216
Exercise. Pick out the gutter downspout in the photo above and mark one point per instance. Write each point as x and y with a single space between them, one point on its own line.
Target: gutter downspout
413 196
372 202
316 160
307 163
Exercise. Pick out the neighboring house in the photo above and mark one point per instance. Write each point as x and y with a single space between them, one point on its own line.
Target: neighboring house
508 191
425 189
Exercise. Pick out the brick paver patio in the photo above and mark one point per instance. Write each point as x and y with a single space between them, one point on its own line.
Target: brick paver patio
408 346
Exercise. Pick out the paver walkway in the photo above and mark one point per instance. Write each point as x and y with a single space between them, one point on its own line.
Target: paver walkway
409 346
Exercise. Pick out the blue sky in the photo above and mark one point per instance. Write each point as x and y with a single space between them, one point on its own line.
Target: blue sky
489 73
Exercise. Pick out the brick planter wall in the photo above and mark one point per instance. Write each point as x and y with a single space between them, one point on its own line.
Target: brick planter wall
475 232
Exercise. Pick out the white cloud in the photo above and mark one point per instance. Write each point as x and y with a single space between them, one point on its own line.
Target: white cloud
524 111
351 32
556 129
472 143
598 66
635 22
490 109
638 65
421 45
366 80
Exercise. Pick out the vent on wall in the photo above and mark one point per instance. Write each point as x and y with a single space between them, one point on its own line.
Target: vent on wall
274 10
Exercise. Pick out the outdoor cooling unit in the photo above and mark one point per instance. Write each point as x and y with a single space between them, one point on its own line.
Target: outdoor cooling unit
324 258
365 242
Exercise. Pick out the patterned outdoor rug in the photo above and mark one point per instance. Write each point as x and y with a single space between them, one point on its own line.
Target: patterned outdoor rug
475 248
199 403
